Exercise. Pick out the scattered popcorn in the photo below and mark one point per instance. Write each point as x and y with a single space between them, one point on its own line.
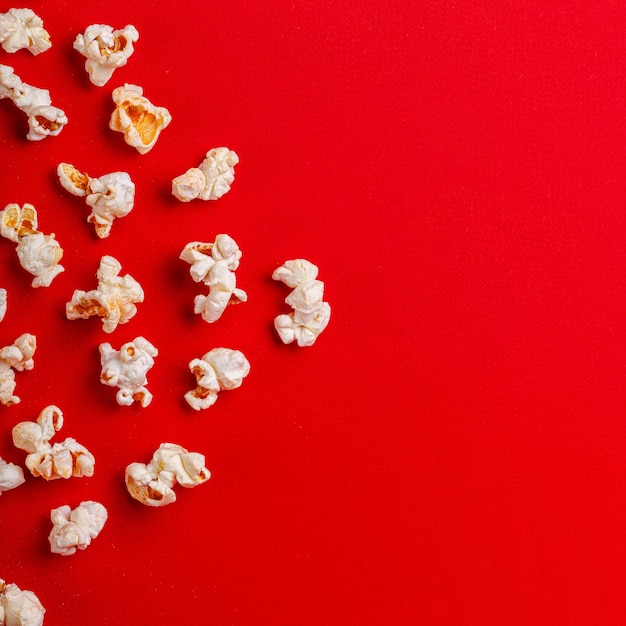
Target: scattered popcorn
105 50
210 180
152 484
3 303
61 460
213 264
218 370
74 529
127 369
16 357
19 608
22 28
136 117
114 299
11 476
310 314
43 119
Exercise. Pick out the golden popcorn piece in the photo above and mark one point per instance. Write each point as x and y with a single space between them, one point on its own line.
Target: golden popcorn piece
74 529
19 608
23 29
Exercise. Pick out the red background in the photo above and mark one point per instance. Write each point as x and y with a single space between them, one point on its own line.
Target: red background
452 450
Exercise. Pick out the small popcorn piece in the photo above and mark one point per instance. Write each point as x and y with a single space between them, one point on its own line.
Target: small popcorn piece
74 529
3 303
22 28
152 484
16 357
127 369
105 49
136 117
218 370
210 180
11 476
61 460
113 300
19 608
310 314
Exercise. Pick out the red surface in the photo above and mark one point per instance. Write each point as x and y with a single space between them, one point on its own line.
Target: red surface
452 450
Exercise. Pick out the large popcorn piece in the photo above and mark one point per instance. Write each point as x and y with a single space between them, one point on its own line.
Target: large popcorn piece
152 484
105 49
109 196
310 314
214 264
136 117
218 370
22 28
74 529
11 476
16 357
43 119
19 608
61 460
113 300
3 303
127 369
210 180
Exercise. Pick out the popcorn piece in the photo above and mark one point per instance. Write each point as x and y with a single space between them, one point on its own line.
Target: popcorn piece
22 28
310 314
61 460
210 180
127 369
114 299
152 484
16 357
3 303
213 264
11 476
218 370
136 117
19 608
75 529
105 50
110 196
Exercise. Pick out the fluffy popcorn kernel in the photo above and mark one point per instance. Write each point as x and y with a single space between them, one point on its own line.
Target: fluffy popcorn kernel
11 476
210 180
218 370
152 484
22 28
105 49
19 608
16 357
74 529
136 117
113 300
3 303
310 314
61 460
109 196
127 369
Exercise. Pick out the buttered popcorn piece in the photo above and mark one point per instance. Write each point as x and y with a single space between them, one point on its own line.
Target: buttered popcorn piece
11 476
74 529
105 49
109 196
136 117
22 28
152 484
19 608
16 357
127 369
3 303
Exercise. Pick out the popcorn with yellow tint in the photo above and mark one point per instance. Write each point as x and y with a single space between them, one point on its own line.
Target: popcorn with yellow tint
11 476
74 529
23 29
19 608
16 357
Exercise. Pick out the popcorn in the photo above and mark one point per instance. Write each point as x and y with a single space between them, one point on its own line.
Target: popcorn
210 180
3 303
105 50
218 370
136 117
61 460
11 476
213 264
152 484
22 28
16 357
127 369
19 608
310 314
110 196
74 529
113 300
38 254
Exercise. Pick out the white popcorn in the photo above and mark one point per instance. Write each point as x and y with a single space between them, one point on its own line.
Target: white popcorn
11 476
38 254
152 484
218 370
109 196
74 529
3 303
127 369
136 117
310 314
61 460
210 180
113 300
22 28
16 357
105 49
19 608
213 264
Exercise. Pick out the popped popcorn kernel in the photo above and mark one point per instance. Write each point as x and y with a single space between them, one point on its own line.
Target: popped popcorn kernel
16 357
3 303
23 29
11 476
74 529
19 608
